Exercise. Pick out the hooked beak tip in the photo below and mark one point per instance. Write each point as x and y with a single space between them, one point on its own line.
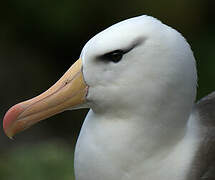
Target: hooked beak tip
10 118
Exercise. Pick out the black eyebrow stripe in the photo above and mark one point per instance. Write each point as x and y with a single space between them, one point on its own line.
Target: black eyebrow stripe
136 43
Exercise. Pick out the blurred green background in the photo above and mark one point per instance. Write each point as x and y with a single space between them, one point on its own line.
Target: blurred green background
39 40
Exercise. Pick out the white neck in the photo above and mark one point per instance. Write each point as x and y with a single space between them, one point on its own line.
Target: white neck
122 148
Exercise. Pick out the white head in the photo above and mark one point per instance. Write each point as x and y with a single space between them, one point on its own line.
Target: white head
136 67
138 72
142 84
156 73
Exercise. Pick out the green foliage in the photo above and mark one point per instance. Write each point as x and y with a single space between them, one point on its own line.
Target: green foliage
39 40
53 161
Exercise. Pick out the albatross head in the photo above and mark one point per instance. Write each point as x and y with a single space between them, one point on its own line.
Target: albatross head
136 66
139 63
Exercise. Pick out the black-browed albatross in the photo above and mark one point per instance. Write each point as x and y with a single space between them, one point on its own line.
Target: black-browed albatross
138 77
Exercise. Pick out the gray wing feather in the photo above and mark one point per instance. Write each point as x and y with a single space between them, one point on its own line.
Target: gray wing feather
204 161
206 110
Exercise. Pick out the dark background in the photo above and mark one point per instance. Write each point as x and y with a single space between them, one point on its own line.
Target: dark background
40 40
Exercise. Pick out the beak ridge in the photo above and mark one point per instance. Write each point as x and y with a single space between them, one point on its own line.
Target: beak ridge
69 91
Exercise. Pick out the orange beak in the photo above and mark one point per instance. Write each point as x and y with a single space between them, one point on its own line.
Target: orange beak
68 92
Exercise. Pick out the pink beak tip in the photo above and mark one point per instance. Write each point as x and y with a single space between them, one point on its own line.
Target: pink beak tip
10 118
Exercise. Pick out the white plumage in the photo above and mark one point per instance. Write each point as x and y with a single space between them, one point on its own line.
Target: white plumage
137 128
139 79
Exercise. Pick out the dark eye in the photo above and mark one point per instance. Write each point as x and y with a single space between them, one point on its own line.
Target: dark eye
114 56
